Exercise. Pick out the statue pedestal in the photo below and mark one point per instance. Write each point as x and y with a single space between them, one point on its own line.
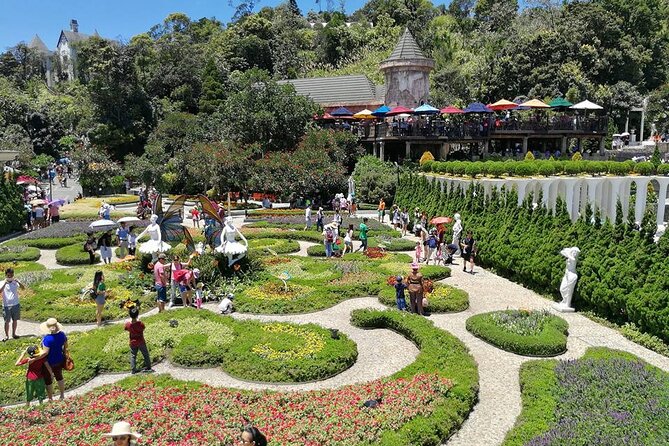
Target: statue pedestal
563 308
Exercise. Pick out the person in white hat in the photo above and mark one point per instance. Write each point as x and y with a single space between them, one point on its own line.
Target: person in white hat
122 435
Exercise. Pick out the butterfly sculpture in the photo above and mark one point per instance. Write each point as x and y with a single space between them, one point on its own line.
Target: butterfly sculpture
170 222
213 222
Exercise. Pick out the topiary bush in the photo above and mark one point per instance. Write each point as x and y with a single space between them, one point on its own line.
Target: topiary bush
473 169
573 167
443 299
663 169
547 169
74 255
529 333
644 168
525 169
459 167
496 169
18 253
426 157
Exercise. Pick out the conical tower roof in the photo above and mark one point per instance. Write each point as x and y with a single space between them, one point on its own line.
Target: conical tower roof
38 45
406 48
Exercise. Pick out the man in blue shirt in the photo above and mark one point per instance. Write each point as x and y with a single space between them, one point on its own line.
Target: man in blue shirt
122 240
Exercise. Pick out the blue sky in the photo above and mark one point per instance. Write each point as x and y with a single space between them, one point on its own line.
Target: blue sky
20 20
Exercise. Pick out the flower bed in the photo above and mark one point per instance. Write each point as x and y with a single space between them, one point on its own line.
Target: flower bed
443 299
74 255
18 253
524 332
268 245
390 244
420 405
21 267
606 397
271 352
431 272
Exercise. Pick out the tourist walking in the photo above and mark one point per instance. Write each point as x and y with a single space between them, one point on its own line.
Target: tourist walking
11 308
320 215
160 275
328 240
135 329
363 235
90 246
415 280
100 291
105 244
195 216
54 213
307 217
418 252
122 435
337 220
122 240
397 221
468 252
132 241
348 240
56 352
431 245
382 210
37 366
175 266
400 299
404 217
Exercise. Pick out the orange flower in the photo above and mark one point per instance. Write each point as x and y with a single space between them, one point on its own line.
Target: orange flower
236 266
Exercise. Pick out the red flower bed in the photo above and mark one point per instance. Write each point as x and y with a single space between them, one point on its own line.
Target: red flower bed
179 415
374 253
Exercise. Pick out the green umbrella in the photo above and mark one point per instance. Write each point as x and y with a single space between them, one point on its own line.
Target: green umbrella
560 102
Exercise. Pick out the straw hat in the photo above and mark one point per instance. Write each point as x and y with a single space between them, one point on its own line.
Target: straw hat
122 428
44 326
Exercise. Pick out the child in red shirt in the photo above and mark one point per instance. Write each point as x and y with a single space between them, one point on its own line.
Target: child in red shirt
35 387
137 343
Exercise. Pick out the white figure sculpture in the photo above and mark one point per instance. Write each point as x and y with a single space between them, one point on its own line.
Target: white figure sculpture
229 244
569 279
155 245
457 232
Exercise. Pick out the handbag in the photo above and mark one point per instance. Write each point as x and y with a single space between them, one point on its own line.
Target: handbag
69 363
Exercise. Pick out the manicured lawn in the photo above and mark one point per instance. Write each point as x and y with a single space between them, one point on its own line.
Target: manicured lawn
443 299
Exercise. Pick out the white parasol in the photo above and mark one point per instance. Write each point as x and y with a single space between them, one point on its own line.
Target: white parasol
102 225
128 220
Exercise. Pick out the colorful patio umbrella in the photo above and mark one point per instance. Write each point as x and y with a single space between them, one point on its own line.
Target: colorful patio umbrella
560 103
341 111
425 109
450 110
381 111
502 104
586 105
441 220
477 107
398 111
25 179
364 114
57 202
325 117
534 103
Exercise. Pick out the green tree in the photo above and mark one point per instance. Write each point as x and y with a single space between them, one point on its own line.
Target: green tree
214 88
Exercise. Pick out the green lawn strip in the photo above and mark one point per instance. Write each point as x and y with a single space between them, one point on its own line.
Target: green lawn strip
441 353
18 253
550 340
21 267
391 244
444 298
541 394
249 349
59 295
48 242
269 245
72 255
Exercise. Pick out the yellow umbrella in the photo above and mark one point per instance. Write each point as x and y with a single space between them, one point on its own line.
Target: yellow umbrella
534 103
502 104
364 114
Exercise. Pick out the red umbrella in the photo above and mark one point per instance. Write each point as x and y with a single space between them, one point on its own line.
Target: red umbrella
180 274
25 179
325 117
441 220
502 104
450 110
398 111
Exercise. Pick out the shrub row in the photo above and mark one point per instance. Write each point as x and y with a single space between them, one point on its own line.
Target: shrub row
47 242
74 255
528 168
550 341
622 272
441 353
394 244
18 253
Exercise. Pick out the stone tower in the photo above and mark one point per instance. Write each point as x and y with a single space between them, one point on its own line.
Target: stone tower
407 73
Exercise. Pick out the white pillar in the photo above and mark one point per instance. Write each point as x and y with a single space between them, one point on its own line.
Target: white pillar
615 183
522 189
407 151
382 146
593 184
641 194
571 186
376 153
546 190
661 198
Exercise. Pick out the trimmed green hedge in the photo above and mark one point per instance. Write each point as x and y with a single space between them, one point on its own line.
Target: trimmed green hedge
551 340
391 244
18 253
74 255
263 245
525 168
444 298
441 353
47 242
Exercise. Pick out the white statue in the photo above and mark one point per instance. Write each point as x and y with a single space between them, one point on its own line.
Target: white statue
569 279
457 232
229 244
155 245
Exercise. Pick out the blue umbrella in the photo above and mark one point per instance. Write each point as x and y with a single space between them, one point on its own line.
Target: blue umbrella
342 111
381 111
477 107
426 109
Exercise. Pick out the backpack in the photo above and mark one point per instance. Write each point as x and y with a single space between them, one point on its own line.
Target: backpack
329 236
432 242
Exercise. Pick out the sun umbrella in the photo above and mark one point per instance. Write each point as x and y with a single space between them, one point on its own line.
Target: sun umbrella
325 117
341 111
560 103
441 220
534 103
398 111
38 202
502 104
32 188
450 110
128 220
102 225
381 111
426 109
179 274
25 179
477 107
586 105
364 114
57 202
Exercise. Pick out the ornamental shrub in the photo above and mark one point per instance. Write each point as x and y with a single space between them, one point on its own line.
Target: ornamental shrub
18 253
426 157
74 255
547 168
644 168
577 156
496 168
529 156
473 169
428 166
663 169
459 167
510 166
617 168
374 179
525 169
573 167
12 212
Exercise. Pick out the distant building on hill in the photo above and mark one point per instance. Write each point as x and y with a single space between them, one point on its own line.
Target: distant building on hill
406 71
